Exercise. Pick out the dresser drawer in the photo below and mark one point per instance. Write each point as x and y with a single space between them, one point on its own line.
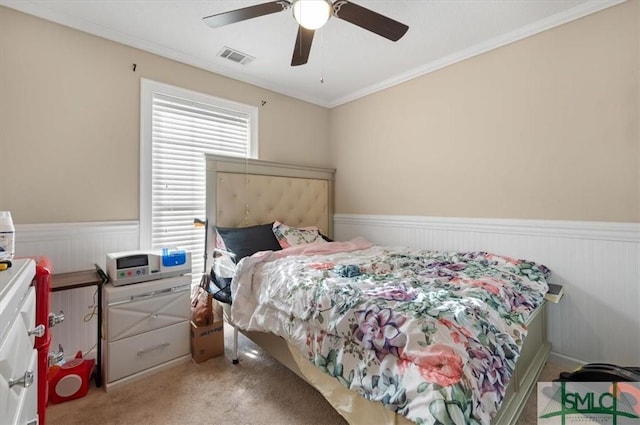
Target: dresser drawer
145 313
137 353
19 404
14 287
28 402
17 341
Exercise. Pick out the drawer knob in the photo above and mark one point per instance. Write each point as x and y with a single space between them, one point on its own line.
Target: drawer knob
25 381
37 331
55 358
54 319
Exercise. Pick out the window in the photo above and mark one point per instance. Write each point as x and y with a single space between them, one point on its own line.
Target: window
177 128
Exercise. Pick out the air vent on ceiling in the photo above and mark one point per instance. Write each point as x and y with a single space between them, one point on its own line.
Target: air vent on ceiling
235 56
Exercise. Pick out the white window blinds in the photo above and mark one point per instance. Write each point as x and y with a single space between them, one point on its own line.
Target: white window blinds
183 127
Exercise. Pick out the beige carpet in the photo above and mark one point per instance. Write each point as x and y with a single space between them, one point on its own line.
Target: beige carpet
257 391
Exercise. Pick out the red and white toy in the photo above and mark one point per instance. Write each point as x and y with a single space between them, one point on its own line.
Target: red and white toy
70 380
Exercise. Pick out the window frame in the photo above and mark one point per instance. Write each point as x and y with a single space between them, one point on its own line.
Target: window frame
147 90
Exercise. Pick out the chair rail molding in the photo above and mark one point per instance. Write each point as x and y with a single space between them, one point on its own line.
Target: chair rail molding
594 230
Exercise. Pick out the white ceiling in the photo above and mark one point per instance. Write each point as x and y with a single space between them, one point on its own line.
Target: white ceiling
350 61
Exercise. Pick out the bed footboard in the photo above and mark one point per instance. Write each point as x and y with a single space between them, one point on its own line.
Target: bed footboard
533 356
355 409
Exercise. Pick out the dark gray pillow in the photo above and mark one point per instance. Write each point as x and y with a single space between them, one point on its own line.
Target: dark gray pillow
246 241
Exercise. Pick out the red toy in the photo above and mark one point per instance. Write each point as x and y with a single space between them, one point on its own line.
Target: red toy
71 380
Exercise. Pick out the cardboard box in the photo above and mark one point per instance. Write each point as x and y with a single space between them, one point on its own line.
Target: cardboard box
207 342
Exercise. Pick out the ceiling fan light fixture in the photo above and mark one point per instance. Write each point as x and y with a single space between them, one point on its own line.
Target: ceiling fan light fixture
312 14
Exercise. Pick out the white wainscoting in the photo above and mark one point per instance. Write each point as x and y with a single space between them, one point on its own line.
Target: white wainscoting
75 247
598 263
598 319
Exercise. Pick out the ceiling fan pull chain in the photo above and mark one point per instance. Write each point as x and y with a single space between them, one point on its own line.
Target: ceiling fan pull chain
321 56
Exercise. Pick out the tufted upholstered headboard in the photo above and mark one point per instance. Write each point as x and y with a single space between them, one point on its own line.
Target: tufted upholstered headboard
245 192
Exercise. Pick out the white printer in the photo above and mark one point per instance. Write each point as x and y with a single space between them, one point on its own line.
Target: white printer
128 267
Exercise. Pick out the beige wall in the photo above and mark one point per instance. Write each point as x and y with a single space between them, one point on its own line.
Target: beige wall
544 128
70 116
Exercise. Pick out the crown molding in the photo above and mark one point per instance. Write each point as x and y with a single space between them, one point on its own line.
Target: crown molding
577 12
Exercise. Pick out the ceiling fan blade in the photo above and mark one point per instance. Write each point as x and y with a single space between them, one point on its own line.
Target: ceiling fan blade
238 15
302 47
369 20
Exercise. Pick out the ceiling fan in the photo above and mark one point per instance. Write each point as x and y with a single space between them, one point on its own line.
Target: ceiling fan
311 15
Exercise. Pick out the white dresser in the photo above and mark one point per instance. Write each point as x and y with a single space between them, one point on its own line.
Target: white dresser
146 328
18 357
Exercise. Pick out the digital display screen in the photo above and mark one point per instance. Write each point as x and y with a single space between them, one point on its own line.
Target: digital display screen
132 261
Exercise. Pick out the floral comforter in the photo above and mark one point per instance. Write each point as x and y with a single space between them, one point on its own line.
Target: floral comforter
434 336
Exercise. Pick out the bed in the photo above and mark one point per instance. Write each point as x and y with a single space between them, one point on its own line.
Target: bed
243 193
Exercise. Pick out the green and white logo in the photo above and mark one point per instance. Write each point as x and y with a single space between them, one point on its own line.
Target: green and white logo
616 403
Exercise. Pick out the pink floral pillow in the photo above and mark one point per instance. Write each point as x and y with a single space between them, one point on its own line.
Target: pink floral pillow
291 236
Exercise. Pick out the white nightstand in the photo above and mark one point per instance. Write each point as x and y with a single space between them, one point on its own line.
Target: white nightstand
146 328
